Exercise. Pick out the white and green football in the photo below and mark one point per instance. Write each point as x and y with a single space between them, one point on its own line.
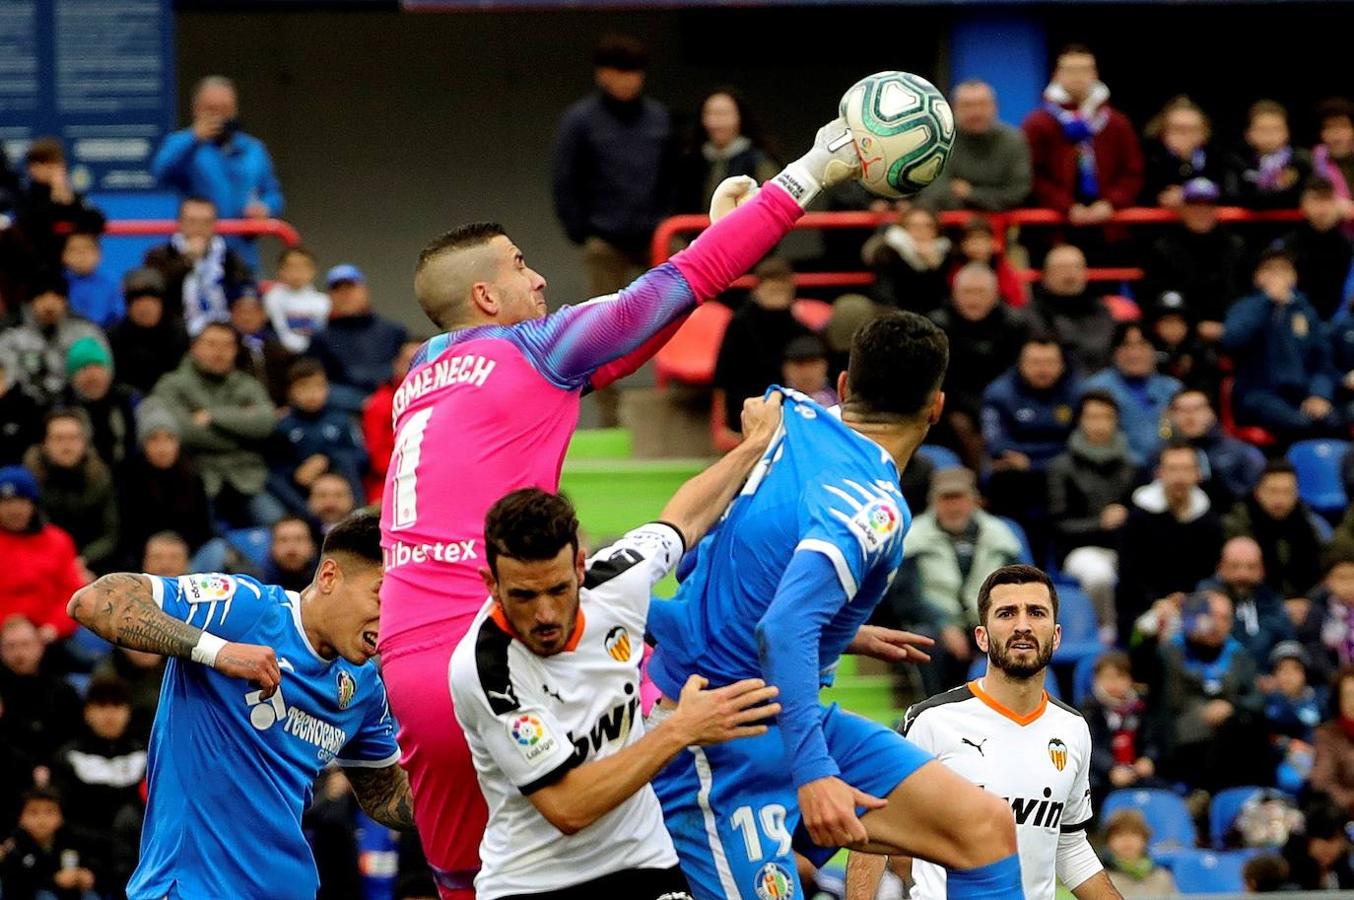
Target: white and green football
904 130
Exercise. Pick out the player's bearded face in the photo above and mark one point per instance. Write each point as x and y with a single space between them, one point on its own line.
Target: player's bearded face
1022 654
539 598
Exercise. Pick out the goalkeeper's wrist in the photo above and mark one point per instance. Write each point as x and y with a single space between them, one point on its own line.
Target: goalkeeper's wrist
798 180
206 650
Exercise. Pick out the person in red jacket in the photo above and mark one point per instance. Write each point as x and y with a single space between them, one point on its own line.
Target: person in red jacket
1086 157
378 426
40 570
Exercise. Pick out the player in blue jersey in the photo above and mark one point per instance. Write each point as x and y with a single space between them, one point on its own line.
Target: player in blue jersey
777 592
264 688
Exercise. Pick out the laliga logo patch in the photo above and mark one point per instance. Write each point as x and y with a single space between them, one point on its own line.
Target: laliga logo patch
774 883
207 588
527 730
347 687
618 644
877 522
1057 752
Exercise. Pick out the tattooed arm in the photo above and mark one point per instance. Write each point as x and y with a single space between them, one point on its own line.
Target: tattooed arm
120 608
384 795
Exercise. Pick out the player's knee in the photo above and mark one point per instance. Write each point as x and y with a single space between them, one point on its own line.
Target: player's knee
987 833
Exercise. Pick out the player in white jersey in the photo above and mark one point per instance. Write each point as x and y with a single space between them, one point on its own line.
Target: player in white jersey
1004 733
546 685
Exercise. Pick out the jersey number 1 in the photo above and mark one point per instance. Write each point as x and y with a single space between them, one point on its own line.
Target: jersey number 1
408 454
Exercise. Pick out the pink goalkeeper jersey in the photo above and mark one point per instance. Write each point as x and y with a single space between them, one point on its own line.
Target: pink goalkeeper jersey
487 410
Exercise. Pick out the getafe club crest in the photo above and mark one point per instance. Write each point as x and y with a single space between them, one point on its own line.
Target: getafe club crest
347 687
1057 752
618 644
774 883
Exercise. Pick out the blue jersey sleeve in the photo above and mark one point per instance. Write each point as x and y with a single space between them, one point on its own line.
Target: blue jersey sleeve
227 606
374 744
848 530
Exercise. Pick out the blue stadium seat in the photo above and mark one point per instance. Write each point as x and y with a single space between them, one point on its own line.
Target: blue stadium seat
1318 466
252 543
1083 675
940 457
1226 806
1026 551
1208 872
1166 814
1324 530
979 668
1076 614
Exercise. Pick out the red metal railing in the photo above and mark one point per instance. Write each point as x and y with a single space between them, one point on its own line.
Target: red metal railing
669 229
283 231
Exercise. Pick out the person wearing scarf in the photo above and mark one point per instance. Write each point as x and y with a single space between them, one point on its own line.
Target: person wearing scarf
1269 172
726 144
1130 868
1085 154
1125 738
201 274
909 262
1178 153
1333 158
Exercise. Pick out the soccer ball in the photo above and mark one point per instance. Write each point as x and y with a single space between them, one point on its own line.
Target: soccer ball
904 131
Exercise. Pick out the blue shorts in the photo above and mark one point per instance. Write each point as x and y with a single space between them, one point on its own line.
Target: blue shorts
733 811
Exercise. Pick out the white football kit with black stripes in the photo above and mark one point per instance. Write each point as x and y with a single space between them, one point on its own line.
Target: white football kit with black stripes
530 719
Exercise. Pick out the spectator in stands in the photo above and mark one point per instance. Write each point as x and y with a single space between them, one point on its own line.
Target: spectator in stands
1285 376
1180 352
1265 874
108 405
1131 870
1293 710
950 550
378 429
754 345
908 260
1088 490
804 369
1125 735
40 571
42 709
202 273
295 307
77 488
147 343
1333 158
166 555
50 207
331 501
1323 620
989 167
162 491
1177 152
1231 467
262 353
20 417
291 557
44 858
1333 768
985 340
1269 172
314 437
357 347
1321 249
978 244
142 673
1282 525
213 158
1260 621
1171 540
1142 393
1318 855
40 344
1027 417
1211 699
99 775
94 294
1198 259
224 419
727 142
613 167
1085 154
1063 306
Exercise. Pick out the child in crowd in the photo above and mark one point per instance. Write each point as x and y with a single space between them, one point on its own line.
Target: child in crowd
313 438
805 369
1129 867
295 307
1124 737
43 858
1265 874
1181 353
94 294
979 244
1293 709
1269 171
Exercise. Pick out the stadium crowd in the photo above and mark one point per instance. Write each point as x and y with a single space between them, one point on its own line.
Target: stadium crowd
1150 443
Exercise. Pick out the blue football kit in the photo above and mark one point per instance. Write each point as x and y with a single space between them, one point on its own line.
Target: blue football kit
230 773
